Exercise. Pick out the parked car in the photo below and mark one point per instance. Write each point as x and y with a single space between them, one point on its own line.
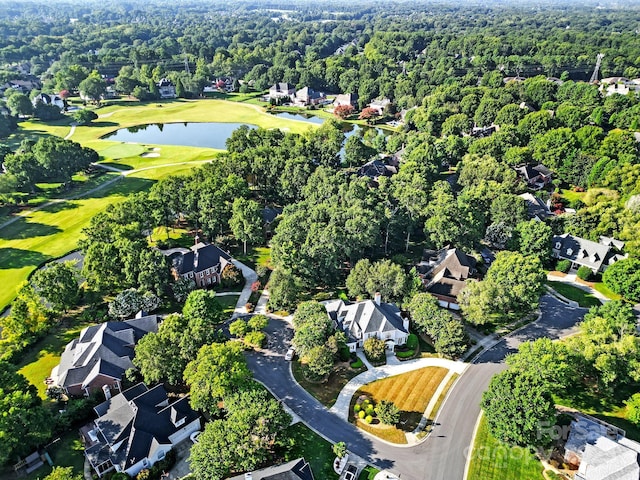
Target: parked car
290 354
351 472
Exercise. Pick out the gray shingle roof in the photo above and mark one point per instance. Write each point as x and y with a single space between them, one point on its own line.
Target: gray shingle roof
358 319
294 470
581 251
142 419
106 349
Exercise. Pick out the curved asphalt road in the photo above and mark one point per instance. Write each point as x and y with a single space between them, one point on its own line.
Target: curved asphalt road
443 455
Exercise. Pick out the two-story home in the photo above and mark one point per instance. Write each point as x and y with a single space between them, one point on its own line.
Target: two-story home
308 96
584 253
281 90
49 99
203 264
101 355
298 469
445 273
137 428
366 319
346 99
166 88
536 176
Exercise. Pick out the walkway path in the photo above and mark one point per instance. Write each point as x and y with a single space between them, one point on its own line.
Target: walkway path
71 132
341 407
249 277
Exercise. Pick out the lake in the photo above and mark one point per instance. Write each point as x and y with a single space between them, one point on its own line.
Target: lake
207 134
192 134
301 117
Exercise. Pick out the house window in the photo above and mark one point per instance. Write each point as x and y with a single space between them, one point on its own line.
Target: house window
201 274
558 245
161 454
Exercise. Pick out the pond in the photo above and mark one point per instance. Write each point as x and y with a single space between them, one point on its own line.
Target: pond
301 117
205 135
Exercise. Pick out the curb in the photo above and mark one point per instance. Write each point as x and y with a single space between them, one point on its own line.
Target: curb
467 464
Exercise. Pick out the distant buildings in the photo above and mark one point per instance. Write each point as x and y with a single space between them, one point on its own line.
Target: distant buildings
166 88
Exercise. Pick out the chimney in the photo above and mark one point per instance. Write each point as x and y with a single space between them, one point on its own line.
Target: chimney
107 392
377 298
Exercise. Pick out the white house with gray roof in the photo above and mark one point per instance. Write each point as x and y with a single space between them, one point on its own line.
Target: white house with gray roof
369 318
581 252
601 451
137 428
100 356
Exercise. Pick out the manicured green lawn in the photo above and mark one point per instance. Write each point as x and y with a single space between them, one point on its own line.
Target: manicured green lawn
584 299
327 392
315 450
52 232
36 363
494 460
603 289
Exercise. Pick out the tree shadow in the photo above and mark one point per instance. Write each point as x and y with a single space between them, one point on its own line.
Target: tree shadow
102 124
119 166
60 206
21 229
18 258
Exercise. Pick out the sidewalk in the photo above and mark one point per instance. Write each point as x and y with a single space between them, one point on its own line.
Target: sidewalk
249 277
341 407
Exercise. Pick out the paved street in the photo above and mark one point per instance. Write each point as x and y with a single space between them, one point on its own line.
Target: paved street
443 455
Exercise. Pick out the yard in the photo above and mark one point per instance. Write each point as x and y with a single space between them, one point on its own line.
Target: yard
315 450
584 299
494 460
411 392
327 392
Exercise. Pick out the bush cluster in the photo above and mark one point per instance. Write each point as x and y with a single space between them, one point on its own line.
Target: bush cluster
563 266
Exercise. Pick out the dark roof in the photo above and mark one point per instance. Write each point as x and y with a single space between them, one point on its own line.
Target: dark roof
105 349
142 419
282 87
376 168
536 208
294 470
447 270
269 214
201 257
165 82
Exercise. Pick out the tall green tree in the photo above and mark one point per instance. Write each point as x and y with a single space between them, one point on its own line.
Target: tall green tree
57 284
246 221
519 409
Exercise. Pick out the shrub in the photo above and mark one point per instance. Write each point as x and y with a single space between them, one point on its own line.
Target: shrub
343 353
412 341
361 414
563 266
255 339
406 354
357 364
374 349
143 474
356 408
262 271
248 307
369 410
231 276
584 273
238 328
368 419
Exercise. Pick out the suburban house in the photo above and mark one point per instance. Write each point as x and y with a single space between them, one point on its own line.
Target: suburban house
445 273
378 167
269 216
297 469
281 90
619 86
23 86
49 99
379 104
601 451
536 208
346 99
366 319
581 252
481 132
203 263
137 428
101 355
166 88
308 96
536 176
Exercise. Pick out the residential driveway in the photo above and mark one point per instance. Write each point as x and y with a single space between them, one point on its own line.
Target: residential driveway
557 320
443 455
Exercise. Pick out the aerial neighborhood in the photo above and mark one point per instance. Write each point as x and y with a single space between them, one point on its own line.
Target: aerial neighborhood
377 241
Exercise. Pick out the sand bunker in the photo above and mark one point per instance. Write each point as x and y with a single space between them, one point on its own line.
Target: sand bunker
150 154
155 149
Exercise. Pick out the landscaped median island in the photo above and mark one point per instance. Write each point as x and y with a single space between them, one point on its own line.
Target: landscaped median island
410 392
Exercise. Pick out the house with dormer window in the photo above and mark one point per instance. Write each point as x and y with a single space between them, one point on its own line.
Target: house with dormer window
366 319
585 253
203 264
136 429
